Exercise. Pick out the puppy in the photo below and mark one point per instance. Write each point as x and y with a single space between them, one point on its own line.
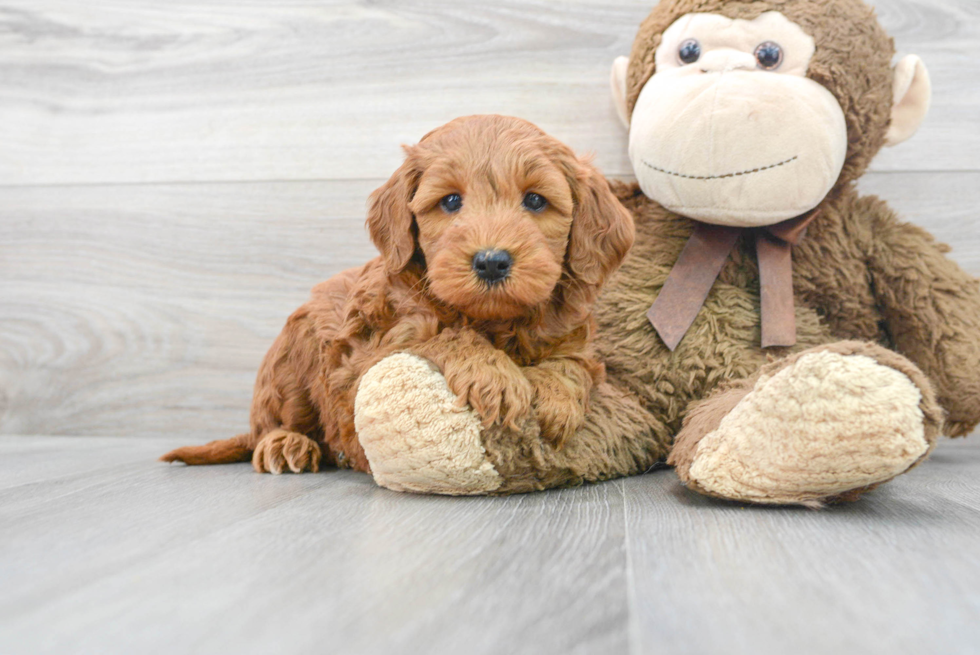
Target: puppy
494 241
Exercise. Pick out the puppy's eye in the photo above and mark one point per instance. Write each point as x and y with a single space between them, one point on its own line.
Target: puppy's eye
534 202
451 203
689 52
769 55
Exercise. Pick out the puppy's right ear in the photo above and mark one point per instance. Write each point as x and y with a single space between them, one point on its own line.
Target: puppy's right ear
390 221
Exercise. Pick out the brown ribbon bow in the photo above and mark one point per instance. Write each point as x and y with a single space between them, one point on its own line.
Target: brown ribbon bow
700 263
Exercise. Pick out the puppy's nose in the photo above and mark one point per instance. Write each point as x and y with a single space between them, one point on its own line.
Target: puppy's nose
492 266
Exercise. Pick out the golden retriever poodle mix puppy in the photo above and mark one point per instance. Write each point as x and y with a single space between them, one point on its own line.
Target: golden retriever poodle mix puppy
495 239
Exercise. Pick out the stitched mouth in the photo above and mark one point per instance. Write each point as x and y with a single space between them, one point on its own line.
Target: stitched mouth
719 177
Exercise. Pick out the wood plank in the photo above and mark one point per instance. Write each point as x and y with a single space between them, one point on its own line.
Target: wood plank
946 204
157 91
31 462
114 562
145 310
153 306
894 573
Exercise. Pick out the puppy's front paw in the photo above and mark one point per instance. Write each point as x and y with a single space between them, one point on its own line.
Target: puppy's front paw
558 420
561 396
495 395
280 449
480 375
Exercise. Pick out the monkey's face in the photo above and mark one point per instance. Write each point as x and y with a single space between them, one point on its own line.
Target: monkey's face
729 130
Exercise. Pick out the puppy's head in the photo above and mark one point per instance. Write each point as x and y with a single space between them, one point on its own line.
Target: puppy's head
500 215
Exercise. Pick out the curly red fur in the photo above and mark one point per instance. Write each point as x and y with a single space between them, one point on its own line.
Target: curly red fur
506 349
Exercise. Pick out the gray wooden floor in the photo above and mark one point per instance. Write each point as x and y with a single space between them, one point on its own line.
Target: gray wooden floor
104 550
174 177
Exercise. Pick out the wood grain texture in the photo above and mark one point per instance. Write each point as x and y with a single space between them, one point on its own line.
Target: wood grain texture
251 563
133 310
133 556
146 310
162 91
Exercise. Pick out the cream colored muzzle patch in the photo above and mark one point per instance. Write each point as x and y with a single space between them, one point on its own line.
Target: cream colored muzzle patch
415 436
739 148
723 140
827 424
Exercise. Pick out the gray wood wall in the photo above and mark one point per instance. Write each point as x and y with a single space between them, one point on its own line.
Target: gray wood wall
176 175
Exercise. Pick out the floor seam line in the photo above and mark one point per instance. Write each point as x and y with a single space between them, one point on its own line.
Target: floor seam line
632 628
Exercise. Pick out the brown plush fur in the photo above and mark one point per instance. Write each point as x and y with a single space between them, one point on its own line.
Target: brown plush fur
860 275
509 349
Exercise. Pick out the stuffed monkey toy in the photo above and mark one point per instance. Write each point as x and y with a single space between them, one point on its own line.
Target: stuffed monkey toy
777 337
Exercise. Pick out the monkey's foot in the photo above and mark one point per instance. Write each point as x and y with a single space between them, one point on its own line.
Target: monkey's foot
826 425
415 435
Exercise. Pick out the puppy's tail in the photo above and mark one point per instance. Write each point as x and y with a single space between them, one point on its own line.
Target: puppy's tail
223 451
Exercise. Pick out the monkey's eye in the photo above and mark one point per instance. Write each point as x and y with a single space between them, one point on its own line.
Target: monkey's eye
534 202
769 55
451 203
690 51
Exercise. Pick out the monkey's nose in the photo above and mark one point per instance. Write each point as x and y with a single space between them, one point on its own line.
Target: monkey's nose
492 266
725 60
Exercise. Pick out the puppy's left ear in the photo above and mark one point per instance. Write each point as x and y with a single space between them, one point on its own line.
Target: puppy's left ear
390 221
602 229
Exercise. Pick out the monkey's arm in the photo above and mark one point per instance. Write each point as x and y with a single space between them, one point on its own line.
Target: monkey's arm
931 308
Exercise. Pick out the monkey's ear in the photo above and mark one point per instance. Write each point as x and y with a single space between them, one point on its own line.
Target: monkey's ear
913 93
618 81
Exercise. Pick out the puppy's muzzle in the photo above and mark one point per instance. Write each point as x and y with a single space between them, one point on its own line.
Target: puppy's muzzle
492 266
